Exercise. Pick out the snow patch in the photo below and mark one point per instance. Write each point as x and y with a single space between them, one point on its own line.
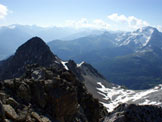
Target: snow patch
148 102
118 95
79 65
64 64
12 27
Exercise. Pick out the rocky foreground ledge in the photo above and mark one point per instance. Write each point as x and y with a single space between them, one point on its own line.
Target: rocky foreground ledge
48 95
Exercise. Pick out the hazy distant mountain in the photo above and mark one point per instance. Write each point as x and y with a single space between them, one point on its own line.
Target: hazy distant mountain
83 33
132 59
139 70
141 38
13 36
83 46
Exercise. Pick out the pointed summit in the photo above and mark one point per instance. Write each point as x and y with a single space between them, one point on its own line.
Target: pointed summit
146 29
34 51
33 42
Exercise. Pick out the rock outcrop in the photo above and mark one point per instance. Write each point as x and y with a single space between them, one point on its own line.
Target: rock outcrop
90 77
135 113
48 95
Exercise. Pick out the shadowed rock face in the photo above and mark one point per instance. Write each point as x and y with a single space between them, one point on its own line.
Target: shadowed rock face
34 51
90 77
135 113
48 93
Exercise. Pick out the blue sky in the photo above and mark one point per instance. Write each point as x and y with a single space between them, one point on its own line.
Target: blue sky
109 14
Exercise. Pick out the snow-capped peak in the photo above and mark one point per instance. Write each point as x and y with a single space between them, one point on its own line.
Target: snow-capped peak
145 29
140 37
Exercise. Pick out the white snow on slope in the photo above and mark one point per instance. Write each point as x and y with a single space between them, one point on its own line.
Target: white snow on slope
64 64
79 65
118 95
148 102
140 37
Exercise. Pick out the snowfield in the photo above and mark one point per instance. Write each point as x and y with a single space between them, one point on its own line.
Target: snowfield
118 95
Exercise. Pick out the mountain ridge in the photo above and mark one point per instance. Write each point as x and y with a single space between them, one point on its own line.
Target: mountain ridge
141 51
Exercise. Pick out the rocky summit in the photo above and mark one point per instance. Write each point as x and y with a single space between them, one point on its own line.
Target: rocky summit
34 51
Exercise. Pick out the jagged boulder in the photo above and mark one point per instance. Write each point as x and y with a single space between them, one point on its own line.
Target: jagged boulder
10 112
2 112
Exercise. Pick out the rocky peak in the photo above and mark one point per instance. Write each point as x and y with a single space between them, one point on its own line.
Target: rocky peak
156 39
138 39
34 51
33 43
145 29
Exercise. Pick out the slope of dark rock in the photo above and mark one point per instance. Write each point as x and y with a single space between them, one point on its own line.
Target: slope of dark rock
135 113
90 77
48 94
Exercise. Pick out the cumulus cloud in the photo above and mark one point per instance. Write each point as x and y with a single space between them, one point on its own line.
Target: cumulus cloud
84 23
3 11
131 21
101 24
159 27
114 22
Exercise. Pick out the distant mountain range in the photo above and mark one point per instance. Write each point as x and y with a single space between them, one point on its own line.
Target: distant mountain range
13 36
132 59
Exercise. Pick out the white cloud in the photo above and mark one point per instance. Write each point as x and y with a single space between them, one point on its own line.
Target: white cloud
3 11
101 24
114 22
159 27
131 21
84 23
